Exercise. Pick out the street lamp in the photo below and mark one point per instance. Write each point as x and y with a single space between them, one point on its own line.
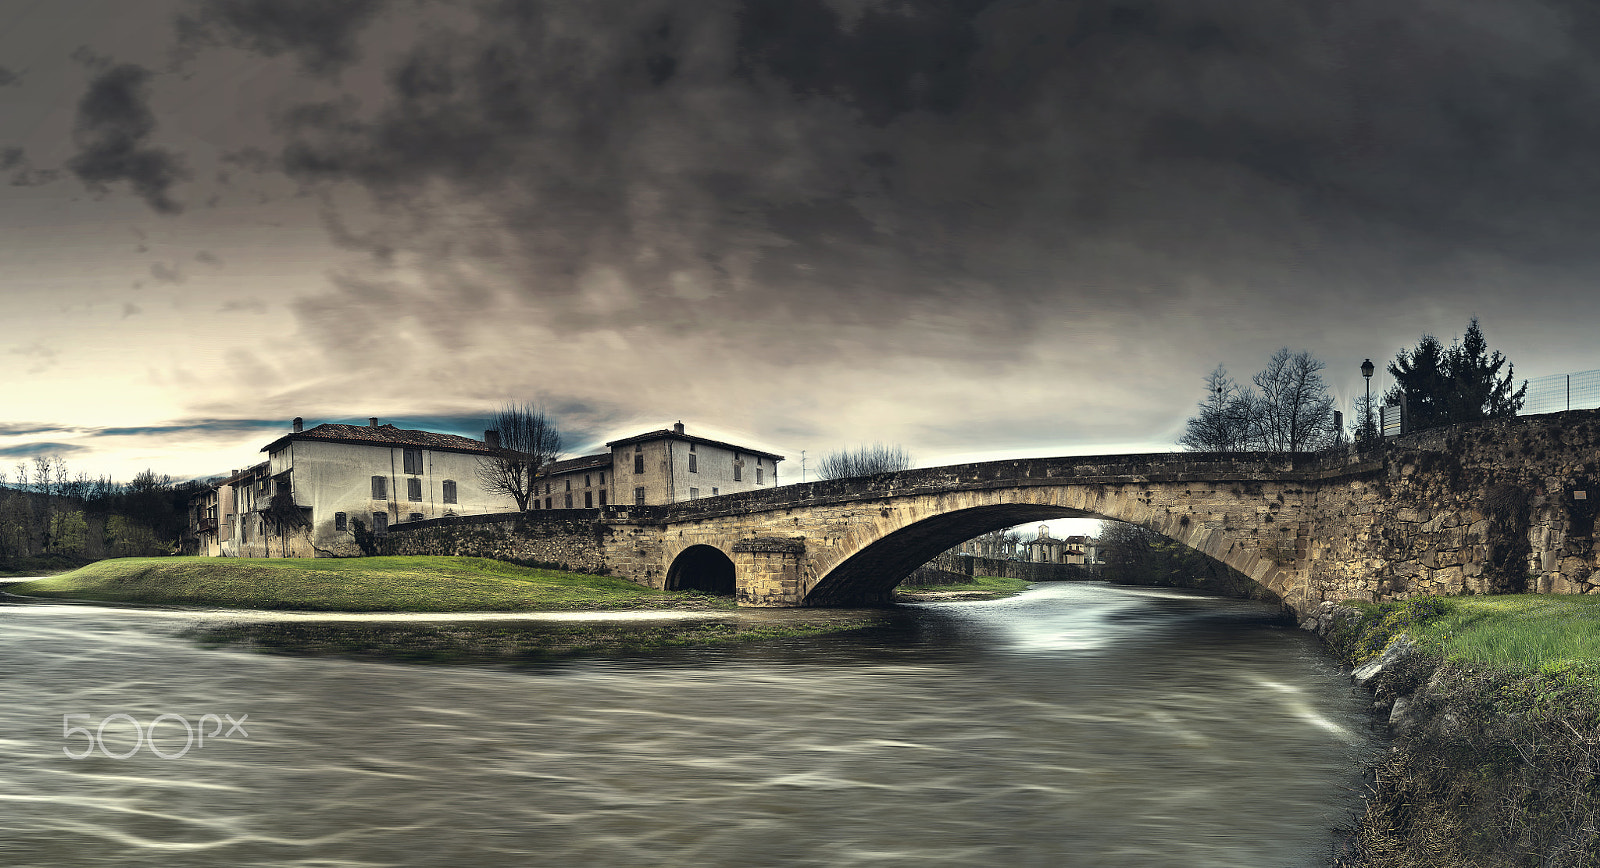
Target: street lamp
1366 373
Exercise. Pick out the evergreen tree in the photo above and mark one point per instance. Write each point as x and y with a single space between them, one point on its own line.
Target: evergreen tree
1461 384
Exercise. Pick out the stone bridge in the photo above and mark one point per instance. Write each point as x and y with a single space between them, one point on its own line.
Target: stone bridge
1499 507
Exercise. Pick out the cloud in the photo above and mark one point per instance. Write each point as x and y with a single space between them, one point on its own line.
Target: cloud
42 357
22 429
130 309
15 160
167 273
114 123
321 33
30 450
244 305
208 258
8 78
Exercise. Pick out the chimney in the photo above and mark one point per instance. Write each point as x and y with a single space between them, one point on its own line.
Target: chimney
678 428
299 424
372 421
491 439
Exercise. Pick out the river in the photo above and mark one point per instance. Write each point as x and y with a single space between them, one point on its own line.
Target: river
1076 724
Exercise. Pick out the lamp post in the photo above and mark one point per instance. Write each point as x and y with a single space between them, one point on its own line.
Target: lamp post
1366 373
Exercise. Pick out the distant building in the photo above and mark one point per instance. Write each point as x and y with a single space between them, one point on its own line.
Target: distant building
317 483
1046 549
657 467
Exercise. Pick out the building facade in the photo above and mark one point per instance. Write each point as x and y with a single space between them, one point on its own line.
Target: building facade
319 486
657 467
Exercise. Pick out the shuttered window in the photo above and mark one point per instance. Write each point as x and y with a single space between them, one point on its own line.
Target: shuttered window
449 491
380 488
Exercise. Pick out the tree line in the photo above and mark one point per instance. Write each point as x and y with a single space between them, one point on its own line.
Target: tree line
48 512
1287 407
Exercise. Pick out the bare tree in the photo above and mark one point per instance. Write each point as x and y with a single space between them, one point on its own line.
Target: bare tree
1296 412
1227 418
863 461
527 441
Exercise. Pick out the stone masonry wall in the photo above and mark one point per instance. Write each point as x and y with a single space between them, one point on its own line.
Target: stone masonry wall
1501 507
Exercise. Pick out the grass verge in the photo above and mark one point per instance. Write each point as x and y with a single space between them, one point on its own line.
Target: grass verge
1499 764
378 584
514 644
980 588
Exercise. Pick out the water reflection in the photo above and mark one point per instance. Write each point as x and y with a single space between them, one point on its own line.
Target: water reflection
1075 725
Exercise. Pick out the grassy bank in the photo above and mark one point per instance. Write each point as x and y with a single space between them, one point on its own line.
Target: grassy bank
379 584
519 644
980 588
1498 732
43 566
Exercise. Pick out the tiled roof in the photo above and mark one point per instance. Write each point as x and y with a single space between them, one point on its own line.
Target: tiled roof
383 435
690 438
584 462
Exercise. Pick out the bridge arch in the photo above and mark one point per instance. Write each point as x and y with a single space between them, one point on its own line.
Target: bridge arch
703 568
871 572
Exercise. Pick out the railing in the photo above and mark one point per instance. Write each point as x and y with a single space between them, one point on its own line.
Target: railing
1558 392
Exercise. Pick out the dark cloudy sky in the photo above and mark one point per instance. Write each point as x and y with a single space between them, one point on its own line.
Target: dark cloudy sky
977 229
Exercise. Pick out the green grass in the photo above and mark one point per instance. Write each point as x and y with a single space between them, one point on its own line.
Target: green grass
996 585
1524 632
378 584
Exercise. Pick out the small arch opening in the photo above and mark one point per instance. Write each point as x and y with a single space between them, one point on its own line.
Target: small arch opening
702 568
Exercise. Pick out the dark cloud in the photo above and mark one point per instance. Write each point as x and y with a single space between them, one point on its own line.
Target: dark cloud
41 450
225 427
9 78
322 34
209 258
114 124
688 168
15 160
131 309
23 429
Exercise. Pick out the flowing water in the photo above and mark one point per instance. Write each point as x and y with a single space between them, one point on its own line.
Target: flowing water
1077 724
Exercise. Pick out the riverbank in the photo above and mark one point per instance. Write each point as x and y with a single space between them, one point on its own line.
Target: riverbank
1493 704
377 584
980 588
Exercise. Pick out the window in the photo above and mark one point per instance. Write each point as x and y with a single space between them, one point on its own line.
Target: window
341 522
380 522
758 475
547 503
588 500
713 492
569 500
602 477
380 488
638 462
413 460
586 481
414 490
694 466
638 496
416 516
602 497
738 470
569 487
536 503
449 491
547 488
694 494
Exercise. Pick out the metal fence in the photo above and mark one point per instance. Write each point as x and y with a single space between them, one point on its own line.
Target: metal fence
1557 392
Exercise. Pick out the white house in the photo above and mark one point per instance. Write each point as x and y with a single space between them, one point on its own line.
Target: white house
305 500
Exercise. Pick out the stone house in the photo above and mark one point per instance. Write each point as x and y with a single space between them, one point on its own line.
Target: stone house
305 499
657 467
